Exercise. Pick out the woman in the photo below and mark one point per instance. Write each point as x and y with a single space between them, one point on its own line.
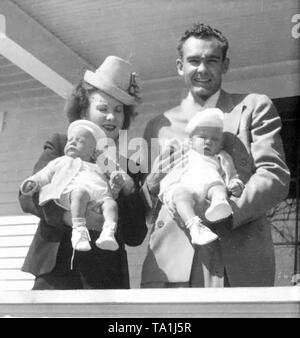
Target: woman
106 97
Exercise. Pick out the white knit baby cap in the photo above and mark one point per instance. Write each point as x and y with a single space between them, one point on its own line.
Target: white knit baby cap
210 117
95 130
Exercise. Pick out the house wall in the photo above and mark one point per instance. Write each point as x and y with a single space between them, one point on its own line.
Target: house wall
30 117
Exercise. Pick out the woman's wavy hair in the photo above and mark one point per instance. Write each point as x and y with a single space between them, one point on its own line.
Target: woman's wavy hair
77 104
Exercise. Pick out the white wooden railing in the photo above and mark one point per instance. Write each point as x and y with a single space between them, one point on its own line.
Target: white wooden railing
154 303
17 299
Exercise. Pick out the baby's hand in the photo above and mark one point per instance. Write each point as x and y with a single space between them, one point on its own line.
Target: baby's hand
236 188
128 186
29 187
120 180
116 183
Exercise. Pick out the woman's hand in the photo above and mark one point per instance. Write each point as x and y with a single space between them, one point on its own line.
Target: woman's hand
128 186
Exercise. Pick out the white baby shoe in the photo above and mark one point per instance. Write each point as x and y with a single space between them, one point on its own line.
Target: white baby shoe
200 234
218 209
80 238
107 240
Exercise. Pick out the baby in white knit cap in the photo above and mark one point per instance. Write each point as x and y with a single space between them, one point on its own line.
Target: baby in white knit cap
203 172
75 181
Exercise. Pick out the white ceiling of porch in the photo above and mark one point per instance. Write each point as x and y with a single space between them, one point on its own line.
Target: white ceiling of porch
146 32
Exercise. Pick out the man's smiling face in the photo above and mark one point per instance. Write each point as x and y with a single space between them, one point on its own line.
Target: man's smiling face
202 67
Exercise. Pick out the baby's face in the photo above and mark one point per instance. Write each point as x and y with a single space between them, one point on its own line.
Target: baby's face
207 141
81 143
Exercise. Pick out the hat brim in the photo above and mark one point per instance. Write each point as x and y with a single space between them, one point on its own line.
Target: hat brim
109 88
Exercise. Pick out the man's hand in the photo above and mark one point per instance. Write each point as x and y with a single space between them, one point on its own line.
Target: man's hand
29 187
236 188
163 164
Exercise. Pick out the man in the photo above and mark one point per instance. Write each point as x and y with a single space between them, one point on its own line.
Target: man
244 253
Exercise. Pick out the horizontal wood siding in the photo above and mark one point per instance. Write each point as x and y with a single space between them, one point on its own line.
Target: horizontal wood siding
16 234
28 123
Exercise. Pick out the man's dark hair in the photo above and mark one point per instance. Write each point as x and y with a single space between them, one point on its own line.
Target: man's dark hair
202 31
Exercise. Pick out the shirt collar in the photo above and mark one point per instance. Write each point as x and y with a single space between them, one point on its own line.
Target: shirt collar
189 106
211 102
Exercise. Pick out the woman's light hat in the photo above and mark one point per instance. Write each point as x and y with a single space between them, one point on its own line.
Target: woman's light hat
96 131
210 117
114 77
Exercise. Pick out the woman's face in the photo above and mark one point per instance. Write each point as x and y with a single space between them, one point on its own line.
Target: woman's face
107 113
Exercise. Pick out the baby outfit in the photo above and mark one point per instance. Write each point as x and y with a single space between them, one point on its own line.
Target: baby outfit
65 173
197 173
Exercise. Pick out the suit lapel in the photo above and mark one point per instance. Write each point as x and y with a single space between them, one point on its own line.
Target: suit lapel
232 112
232 117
